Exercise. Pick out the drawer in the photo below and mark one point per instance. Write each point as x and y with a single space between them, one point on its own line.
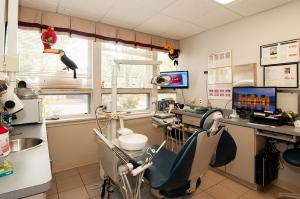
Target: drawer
191 120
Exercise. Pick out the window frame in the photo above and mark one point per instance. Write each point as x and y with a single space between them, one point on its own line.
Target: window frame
152 92
95 92
76 91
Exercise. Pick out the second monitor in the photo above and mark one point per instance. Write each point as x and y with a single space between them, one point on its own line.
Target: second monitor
254 99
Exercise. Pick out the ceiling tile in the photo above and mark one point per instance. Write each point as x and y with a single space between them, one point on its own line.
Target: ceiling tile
246 7
205 13
156 5
88 9
158 23
40 4
189 10
129 13
169 27
183 30
216 16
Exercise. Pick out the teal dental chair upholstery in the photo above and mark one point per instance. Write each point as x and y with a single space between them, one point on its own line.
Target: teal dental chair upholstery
175 175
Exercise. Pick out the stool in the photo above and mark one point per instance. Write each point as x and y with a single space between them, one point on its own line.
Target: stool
291 156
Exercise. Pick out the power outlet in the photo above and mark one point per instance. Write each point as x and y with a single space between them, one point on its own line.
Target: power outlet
201 101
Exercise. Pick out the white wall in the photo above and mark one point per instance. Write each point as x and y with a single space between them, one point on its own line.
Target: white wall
244 38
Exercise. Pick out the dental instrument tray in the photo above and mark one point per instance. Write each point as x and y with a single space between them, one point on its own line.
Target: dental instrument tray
163 115
261 118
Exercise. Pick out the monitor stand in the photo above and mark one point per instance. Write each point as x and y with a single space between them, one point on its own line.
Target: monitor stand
244 114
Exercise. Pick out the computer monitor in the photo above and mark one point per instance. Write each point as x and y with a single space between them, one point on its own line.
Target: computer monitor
179 79
257 99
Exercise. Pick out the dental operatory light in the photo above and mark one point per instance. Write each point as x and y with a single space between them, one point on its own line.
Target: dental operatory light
224 2
161 80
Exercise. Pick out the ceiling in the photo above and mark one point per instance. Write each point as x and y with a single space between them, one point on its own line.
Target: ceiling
177 19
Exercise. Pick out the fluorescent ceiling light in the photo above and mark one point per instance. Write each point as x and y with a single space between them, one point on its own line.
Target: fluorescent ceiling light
224 2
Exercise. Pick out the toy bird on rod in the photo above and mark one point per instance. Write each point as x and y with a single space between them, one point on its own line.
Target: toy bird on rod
49 39
173 54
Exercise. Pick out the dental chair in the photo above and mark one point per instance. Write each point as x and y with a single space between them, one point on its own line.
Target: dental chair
174 175
292 156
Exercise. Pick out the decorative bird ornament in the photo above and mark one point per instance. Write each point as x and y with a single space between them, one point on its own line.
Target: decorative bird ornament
173 53
49 39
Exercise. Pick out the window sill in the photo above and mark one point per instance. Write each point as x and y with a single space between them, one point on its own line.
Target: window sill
81 119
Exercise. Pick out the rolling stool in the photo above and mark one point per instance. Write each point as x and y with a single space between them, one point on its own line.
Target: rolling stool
291 156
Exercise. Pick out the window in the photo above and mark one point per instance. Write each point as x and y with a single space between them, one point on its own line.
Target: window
128 76
66 105
161 96
36 67
129 102
135 80
63 95
167 63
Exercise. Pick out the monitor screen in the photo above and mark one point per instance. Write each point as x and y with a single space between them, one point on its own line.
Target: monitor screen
258 99
179 79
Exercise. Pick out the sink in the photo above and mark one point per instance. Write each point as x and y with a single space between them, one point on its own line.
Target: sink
24 144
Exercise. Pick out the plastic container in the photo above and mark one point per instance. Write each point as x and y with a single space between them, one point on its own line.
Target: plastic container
4 141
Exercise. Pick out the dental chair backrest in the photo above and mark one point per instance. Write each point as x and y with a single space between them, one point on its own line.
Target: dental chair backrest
201 146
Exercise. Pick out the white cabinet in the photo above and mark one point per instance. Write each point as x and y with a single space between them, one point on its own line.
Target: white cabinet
243 166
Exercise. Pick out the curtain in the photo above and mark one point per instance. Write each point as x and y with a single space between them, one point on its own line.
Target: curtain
33 18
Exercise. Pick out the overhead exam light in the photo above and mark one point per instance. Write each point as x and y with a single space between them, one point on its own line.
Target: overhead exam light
161 80
224 2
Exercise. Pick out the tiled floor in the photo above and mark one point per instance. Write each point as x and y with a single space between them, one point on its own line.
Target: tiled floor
83 183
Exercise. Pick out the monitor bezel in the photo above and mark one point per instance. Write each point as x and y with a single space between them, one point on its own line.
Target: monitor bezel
176 87
232 106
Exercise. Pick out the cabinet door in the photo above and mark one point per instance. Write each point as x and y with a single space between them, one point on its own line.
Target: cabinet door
243 166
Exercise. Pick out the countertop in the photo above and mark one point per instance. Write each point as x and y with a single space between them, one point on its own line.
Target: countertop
32 171
289 130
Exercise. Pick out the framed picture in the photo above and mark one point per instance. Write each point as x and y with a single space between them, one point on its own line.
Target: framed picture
285 52
281 76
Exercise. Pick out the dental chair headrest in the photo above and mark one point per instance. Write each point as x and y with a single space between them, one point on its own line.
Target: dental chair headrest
209 118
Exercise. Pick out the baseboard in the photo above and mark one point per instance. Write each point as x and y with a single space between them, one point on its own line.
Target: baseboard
287 186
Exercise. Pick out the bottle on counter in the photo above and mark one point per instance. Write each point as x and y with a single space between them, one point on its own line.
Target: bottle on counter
4 141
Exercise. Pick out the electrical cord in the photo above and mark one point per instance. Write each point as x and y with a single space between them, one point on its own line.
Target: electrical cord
101 108
182 96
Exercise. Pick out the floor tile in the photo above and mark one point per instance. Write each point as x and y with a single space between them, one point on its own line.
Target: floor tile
220 192
270 192
90 178
53 189
210 179
202 195
96 197
93 190
234 186
79 193
91 168
66 174
69 183
54 196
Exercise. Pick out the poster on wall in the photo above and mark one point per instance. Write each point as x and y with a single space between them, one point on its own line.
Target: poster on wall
224 75
280 53
283 76
220 59
219 92
212 76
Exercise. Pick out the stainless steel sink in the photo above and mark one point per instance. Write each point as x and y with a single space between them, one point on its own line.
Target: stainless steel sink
24 144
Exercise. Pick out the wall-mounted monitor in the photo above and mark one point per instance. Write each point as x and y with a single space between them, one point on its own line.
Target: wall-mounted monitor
257 99
179 79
